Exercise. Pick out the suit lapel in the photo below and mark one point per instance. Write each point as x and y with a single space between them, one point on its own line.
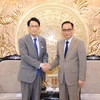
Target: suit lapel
40 45
62 48
30 41
71 46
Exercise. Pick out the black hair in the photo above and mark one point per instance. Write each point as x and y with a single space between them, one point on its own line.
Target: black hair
33 19
68 22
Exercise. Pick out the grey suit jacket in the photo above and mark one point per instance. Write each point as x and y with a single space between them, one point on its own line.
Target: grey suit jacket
29 60
73 67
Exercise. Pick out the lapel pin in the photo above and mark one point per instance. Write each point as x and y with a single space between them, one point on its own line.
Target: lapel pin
42 47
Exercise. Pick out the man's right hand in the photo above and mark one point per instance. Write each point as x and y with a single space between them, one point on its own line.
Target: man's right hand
45 67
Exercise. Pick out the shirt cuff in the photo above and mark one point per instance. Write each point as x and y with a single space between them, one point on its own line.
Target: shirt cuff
40 66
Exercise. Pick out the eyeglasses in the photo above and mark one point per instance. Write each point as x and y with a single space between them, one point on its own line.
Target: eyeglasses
66 30
36 26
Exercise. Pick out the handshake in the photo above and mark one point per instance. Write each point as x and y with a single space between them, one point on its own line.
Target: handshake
45 67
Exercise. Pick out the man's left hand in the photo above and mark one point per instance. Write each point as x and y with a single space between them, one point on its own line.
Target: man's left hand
80 83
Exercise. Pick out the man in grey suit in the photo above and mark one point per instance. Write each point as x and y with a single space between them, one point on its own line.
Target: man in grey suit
71 61
33 52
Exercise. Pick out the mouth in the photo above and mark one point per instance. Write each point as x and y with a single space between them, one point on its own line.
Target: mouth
66 35
34 31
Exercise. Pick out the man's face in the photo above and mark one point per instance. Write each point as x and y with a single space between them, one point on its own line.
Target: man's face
33 28
67 31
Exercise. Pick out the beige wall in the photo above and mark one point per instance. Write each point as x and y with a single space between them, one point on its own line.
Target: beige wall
10 84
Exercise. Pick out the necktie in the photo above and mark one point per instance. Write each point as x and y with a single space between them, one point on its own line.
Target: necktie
35 45
66 49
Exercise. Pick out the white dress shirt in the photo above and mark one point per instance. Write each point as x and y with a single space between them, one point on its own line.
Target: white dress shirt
68 43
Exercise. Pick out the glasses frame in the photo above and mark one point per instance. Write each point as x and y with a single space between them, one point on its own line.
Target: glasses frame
67 30
34 26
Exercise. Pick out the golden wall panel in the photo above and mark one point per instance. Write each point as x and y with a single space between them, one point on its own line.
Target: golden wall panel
85 14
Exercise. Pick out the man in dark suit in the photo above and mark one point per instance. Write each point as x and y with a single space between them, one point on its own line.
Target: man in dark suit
33 52
71 60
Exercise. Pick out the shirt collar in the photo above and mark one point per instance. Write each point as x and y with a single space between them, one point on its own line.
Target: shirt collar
69 39
33 37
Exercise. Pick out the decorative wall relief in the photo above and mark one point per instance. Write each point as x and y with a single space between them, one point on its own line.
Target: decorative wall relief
51 14
8 23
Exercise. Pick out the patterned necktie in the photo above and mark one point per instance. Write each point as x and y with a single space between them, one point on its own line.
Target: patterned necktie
66 49
35 45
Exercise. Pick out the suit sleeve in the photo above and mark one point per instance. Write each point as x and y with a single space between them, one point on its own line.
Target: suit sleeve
82 61
55 63
25 54
45 55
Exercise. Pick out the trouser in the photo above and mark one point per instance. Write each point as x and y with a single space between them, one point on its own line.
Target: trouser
31 91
